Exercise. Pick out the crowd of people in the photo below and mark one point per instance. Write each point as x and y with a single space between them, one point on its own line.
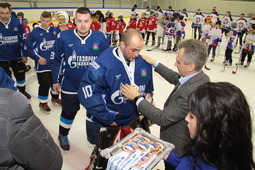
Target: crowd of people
96 62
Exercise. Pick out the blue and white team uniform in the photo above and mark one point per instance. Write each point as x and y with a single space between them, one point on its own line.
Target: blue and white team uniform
100 90
197 23
12 40
231 44
169 36
40 44
72 55
226 23
241 29
251 21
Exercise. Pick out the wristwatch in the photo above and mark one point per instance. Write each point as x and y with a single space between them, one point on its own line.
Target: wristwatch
136 98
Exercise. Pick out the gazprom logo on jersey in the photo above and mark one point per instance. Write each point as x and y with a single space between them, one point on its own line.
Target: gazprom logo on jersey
95 46
80 61
143 72
118 98
6 40
46 45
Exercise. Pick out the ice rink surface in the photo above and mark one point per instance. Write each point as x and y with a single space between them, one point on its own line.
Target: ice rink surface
78 156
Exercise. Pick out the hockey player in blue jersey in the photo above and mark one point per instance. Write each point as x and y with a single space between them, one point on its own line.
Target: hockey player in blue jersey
75 50
100 93
39 47
12 40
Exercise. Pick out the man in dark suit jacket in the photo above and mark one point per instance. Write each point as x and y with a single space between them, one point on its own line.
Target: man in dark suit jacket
173 127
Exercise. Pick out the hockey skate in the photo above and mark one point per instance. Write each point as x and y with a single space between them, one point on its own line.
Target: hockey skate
64 142
26 94
247 64
44 107
212 59
57 101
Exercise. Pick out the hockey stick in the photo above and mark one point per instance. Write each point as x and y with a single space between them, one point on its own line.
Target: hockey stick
224 65
152 48
207 68
234 72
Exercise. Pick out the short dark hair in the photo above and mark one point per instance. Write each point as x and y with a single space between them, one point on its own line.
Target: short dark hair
224 126
5 5
83 10
46 14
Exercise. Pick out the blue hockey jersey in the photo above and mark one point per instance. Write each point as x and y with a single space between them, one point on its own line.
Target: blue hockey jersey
40 44
100 93
75 55
12 40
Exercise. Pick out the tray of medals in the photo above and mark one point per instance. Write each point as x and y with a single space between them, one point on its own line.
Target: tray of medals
139 150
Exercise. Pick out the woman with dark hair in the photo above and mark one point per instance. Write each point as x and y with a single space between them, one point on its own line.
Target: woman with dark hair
219 123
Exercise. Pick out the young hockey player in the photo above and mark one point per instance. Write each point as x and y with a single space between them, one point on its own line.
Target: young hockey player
248 46
24 21
151 28
251 21
110 25
177 33
226 23
214 39
147 12
214 15
132 22
161 26
169 35
231 43
142 25
183 25
39 48
198 20
170 12
241 29
185 15
206 28
121 25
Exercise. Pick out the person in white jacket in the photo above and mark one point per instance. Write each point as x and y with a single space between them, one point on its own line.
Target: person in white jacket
214 39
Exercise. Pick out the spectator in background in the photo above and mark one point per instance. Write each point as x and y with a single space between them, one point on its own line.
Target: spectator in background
25 142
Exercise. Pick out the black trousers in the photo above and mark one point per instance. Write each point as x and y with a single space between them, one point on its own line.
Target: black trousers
228 54
19 70
247 53
45 83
